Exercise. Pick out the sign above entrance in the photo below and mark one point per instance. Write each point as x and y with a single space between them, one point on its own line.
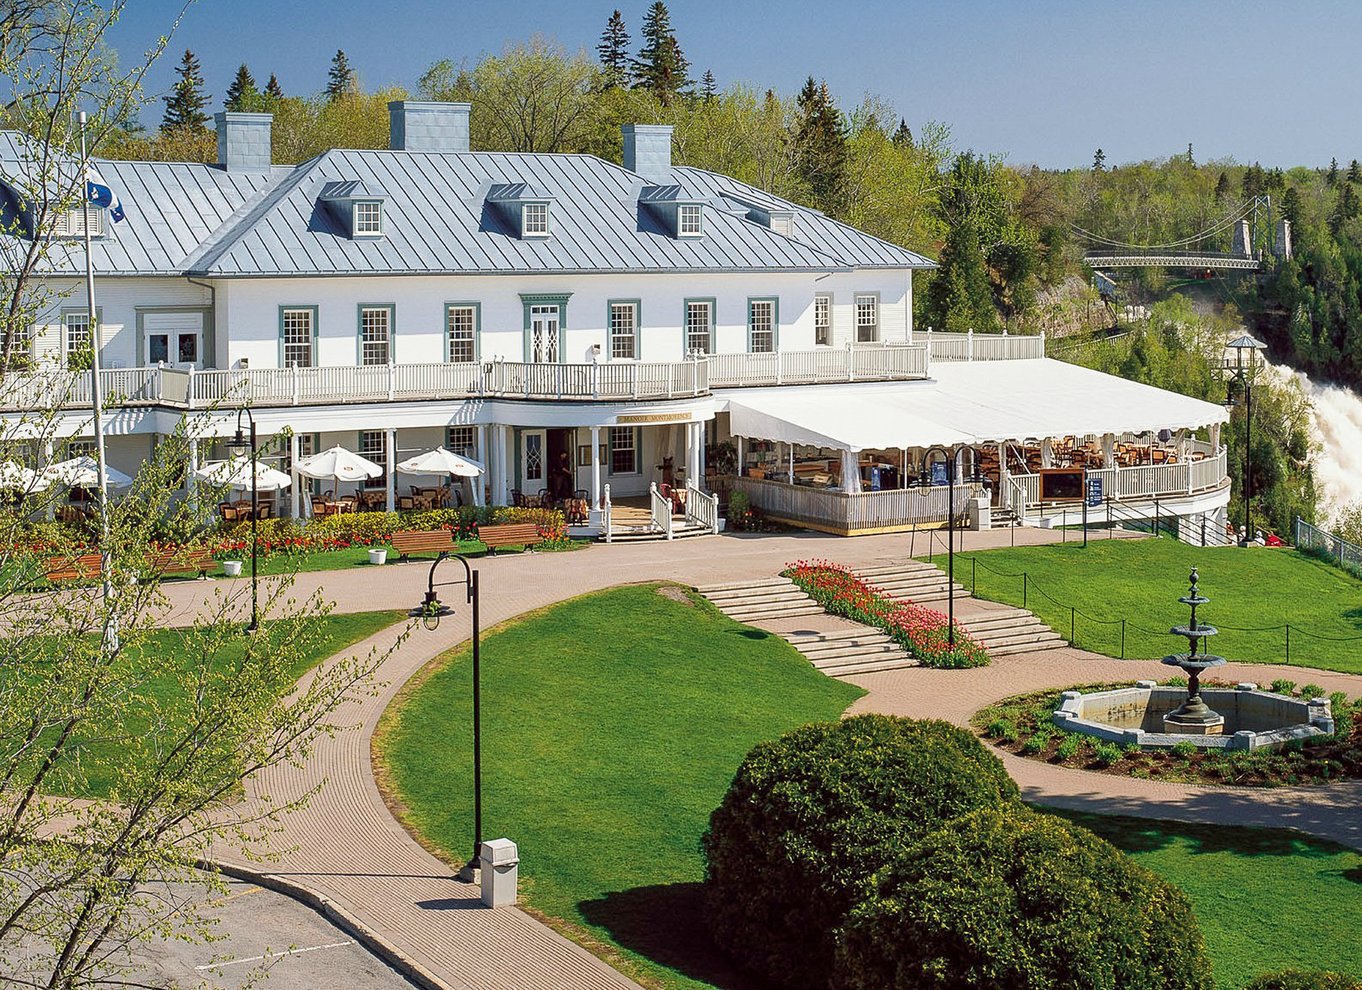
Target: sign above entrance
679 417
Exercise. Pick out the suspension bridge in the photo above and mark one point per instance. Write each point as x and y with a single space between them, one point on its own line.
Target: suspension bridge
1199 251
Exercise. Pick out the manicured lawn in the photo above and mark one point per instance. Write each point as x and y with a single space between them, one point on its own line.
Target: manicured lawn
1255 592
100 755
1267 899
612 725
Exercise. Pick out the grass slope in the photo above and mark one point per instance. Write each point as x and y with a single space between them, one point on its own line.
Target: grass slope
1141 580
612 725
1267 899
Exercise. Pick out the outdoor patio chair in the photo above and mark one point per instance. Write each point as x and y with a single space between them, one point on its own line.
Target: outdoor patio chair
228 512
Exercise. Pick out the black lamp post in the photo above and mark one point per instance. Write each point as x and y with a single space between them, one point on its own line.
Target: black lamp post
430 612
925 489
237 442
1248 360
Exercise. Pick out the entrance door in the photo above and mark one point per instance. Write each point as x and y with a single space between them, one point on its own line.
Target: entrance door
533 462
174 339
544 334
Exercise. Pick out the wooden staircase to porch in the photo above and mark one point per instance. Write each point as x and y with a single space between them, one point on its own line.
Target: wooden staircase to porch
631 522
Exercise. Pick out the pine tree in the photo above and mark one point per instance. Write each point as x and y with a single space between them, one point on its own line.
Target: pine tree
903 137
959 297
1332 177
242 94
1190 159
187 100
820 147
661 67
708 87
272 88
614 52
1291 207
1354 171
1099 161
341 79
1255 181
1222 187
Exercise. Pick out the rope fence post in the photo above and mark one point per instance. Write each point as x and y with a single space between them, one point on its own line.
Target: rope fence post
973 576
1073 616
1288 644
1023 589
1123 639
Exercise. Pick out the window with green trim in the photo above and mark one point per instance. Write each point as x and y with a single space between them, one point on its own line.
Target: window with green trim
375 334
761 325
299 332
624 330
461 326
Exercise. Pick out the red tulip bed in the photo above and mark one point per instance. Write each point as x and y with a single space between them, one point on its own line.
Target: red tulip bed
922 631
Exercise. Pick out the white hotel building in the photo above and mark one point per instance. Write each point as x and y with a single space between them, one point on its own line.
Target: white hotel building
515 307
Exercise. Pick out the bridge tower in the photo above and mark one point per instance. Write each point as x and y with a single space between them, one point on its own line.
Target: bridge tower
1282 247
1243 241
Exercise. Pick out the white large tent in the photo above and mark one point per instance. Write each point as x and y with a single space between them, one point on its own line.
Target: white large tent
966 402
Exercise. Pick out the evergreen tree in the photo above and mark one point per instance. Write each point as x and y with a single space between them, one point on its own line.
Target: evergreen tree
1349 206
1190 159
661 67
959 297
242 94
820 147
1291 207
1222 187
1099 161
1354 171
187 100
1255 181
341 79
903 137
614 52
272 88
708 87
1332 177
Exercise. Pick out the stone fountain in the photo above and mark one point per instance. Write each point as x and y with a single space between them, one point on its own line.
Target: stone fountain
1194 716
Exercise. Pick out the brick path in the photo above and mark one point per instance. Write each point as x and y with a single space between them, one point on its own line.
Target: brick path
348 850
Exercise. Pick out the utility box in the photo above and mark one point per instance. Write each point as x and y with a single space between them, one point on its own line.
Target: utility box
980 513
500 872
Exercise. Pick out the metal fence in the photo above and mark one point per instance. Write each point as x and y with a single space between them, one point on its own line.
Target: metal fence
1310 537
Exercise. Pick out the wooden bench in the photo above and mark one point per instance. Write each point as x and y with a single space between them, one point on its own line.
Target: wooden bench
409 541
73 568
509 535
196 562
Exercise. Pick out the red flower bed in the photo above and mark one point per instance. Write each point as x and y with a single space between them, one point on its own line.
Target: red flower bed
922 631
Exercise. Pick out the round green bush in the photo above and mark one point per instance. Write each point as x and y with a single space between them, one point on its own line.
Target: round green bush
1297 979
810 816
1012 899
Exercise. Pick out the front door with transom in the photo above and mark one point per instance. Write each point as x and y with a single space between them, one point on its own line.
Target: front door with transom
544 334
534 456
174 339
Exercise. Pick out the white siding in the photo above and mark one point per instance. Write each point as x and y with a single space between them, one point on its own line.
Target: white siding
118 300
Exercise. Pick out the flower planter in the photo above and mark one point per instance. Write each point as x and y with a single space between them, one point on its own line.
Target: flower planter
232 568
378 555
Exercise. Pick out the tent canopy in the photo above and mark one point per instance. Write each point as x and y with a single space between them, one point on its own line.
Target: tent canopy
966 402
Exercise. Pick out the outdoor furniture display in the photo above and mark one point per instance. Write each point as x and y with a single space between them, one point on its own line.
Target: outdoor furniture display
509 535
443 463
410 541
73 568
196 562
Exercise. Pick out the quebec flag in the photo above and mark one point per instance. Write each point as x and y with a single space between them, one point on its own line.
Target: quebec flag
103 196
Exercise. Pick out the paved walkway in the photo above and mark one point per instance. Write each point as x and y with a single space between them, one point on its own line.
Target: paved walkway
347 849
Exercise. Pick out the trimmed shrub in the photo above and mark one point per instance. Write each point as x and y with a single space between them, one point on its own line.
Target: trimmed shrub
1010 899
1297 979
811 815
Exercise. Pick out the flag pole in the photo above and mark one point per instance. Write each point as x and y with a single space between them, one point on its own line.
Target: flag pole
97 404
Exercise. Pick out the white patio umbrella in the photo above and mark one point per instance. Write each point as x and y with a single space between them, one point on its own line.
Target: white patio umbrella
339 464
236 473
83 472
441 461
16 477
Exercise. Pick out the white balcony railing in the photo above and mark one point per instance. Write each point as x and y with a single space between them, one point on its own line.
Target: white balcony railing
1145 481
973 346
859 362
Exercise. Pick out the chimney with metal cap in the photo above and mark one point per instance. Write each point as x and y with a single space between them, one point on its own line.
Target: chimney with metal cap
648 151
244 140
428 126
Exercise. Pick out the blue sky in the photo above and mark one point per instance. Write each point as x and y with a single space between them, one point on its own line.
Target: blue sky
1041 81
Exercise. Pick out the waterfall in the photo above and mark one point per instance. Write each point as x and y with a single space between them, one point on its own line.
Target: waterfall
1336 428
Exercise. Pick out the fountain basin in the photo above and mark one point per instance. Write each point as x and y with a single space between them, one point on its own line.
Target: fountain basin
1136 716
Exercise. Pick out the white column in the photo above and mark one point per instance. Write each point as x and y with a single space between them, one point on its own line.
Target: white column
480 482
190 479
1108 450
1003 473
294 495
700 456
595 467
1047 453
738 443
391 478
506 465
790 447
1215 438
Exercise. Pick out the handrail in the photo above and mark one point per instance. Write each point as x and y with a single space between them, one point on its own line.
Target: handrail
660 509
701 509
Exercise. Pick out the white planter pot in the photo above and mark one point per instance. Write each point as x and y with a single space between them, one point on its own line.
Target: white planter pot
378 555
723 525
232 568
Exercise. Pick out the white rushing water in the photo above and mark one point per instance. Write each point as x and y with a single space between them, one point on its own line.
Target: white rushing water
1336 422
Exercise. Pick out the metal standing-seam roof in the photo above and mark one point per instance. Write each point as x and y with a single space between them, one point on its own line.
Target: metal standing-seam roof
438 221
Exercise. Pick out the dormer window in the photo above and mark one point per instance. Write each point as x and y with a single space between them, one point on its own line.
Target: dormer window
368 218
534 220
689 220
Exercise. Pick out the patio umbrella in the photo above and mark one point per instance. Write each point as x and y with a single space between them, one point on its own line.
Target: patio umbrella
236 473
16 478
339 464
441 461
83 472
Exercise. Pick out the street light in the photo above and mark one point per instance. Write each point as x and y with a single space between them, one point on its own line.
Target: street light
236 443
1248 361
430 612
925 489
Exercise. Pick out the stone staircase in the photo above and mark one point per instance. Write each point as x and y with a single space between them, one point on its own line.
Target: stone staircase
1001 629
851 651
763 599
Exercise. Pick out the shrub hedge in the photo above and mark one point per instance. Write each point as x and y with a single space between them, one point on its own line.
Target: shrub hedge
810 816
1296 979
1005 898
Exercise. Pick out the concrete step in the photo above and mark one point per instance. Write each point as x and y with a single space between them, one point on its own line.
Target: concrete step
881 651
907 567
645 534
1007 651
1031 637
867 667
788 611
774 582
